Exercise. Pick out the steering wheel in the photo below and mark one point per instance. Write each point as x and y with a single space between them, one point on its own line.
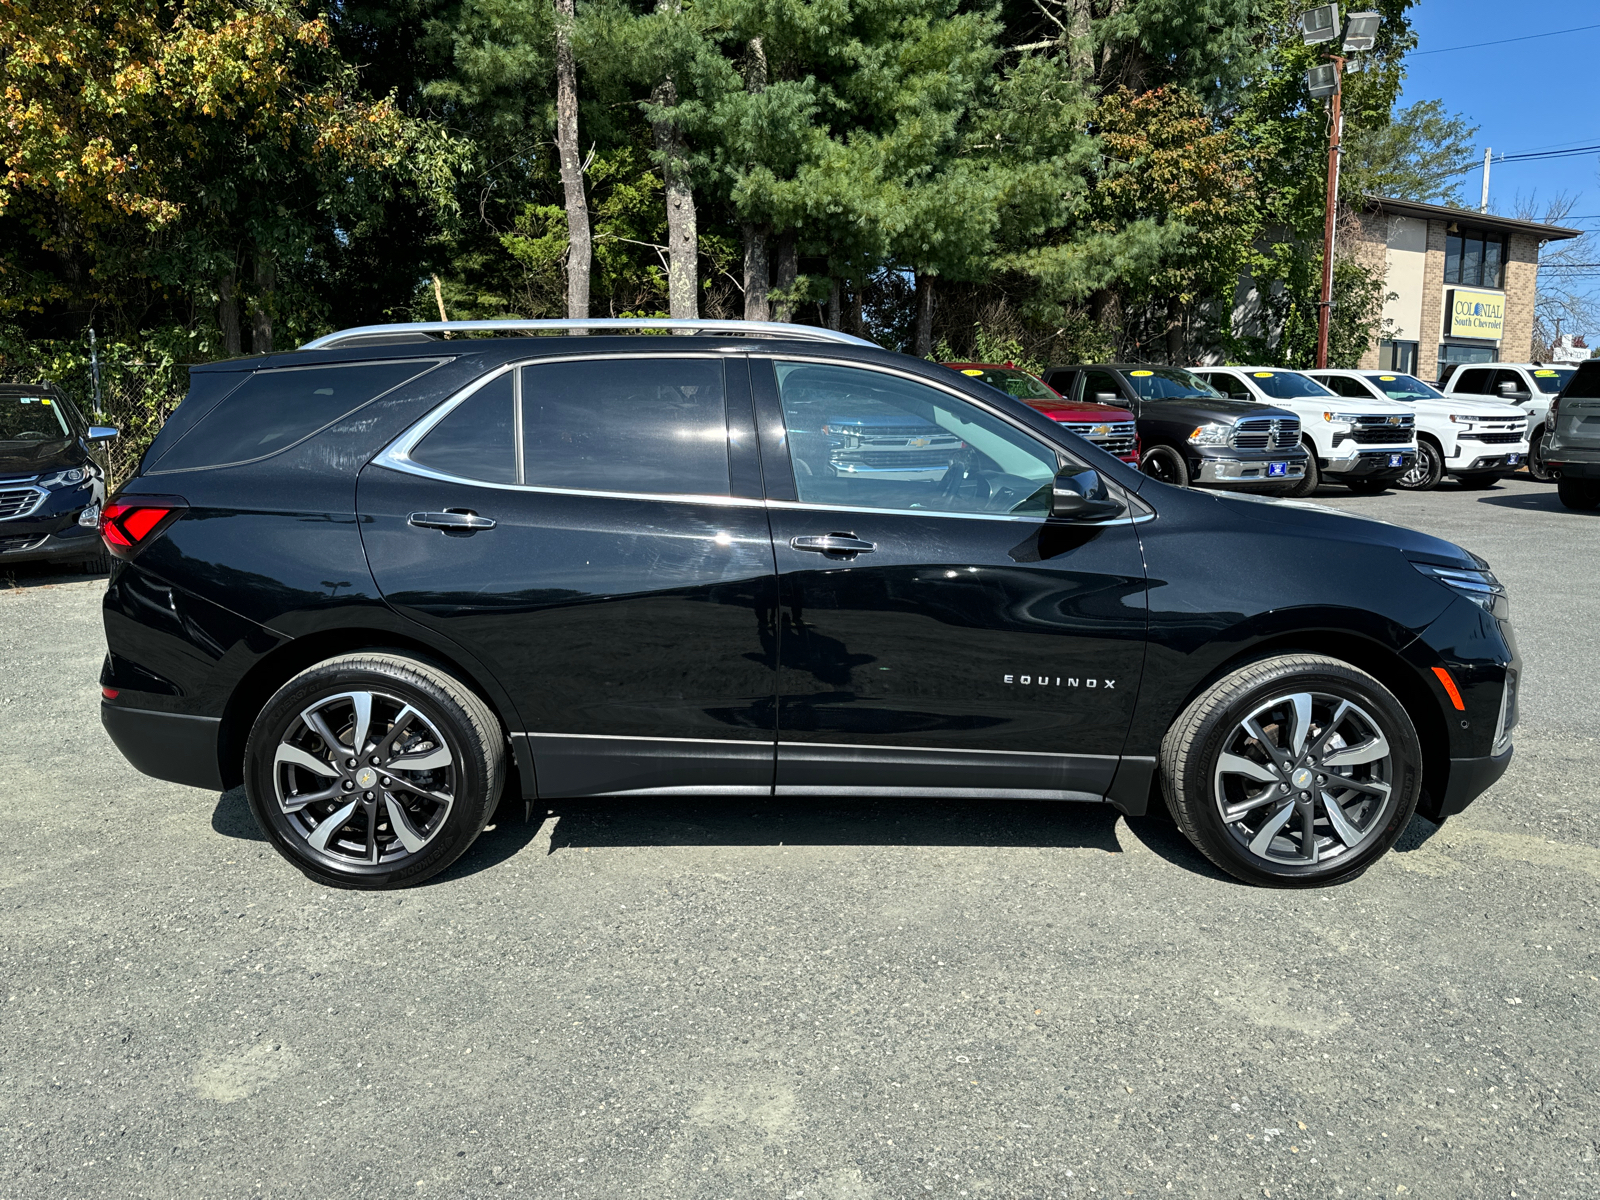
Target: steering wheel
956 477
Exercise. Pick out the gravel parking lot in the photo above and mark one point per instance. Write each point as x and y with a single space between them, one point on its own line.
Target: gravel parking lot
789 998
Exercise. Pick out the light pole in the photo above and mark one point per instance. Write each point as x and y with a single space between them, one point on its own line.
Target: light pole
1318 25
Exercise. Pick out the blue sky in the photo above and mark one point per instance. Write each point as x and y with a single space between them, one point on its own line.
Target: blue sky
1528 95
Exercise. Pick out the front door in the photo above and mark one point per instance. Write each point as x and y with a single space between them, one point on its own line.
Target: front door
940 634
593 530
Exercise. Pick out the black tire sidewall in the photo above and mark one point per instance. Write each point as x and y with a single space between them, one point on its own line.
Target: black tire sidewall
1580 495
1537 467
1435 461
1190 795
474 777
1172 456
1312 479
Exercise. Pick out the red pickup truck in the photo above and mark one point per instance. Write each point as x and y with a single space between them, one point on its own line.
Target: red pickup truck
1112 429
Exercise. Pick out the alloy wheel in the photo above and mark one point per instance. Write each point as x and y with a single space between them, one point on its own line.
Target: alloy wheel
1304 779
364 777
1537 467
1424 473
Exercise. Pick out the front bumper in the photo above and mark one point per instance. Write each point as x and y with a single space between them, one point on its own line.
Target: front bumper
69 541
1469 779
171 746
1249 471
1396 460
1488 462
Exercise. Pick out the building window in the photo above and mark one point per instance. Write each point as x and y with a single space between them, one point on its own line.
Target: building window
1474 258
1399 357
1454 355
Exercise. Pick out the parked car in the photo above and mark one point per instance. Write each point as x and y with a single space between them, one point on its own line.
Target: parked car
1366 448
1477 443
379 582
1572 451
1188 432
49 477
1112 430
1530 386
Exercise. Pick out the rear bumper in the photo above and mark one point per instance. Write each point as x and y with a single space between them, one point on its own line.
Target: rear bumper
1469 779
170 746
1573 463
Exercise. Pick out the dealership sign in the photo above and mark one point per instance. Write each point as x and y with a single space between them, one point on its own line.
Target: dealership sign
1476 314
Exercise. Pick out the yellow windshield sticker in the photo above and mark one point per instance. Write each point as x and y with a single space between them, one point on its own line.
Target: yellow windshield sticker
1141 374
1262 374
1385 378
969 371
1544 374
47 401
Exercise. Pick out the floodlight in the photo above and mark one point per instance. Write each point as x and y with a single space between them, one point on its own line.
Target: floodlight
1320 24
1361 30
1323 81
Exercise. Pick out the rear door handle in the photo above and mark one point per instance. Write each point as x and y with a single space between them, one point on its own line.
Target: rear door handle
833 543
452 520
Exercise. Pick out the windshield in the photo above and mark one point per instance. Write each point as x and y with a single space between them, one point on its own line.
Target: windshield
31 419
1402 387
1552 381
1286 385
1010 381
1169 383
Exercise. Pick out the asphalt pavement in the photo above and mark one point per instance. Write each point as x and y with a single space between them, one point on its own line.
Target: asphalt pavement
830 1000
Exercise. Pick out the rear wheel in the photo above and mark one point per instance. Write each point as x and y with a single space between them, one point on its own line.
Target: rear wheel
1295 771
1581 494
1167 464
1425 473
1537 467
1313 476
374 770
1483 479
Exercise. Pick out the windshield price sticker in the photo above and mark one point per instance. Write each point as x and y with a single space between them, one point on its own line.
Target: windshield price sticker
970 371
1140 374
1545 374
1262 374
1385 378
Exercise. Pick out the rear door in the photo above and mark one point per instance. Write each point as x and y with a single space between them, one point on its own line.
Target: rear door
593 529
940 634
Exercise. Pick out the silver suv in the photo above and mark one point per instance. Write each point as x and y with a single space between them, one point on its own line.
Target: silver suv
1572 445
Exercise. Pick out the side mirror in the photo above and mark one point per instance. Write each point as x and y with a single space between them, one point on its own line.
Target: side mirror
103 433
1080 494
1107 398
1510 391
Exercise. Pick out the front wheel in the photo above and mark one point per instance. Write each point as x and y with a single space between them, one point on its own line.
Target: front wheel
1313 476
1580 494
1425 473
1294 771
1537 467
374 770
1166 464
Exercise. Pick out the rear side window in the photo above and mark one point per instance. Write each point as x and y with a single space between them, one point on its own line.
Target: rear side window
477 440
272 410
626 425
1585 385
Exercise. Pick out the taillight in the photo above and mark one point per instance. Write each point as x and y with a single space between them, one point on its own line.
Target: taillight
129 523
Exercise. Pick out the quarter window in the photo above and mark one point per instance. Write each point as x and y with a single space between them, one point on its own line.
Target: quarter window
867 439
477 440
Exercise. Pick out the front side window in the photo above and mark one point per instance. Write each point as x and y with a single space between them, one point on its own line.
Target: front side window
1100 387
1343 385
868 439
1229 385
1287 385
1474 258
1402 387
1169 383
1010 381
32 419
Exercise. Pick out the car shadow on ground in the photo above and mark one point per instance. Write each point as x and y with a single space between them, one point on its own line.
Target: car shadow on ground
45 574
1546 501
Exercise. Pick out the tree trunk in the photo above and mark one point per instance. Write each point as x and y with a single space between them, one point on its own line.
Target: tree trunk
757 271
580 247
857 323
228 312
833 304
1175 331
683 242
1080 50
924 339
261 304
788 275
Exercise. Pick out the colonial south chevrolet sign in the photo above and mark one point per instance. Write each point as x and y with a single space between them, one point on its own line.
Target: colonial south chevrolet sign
1476 314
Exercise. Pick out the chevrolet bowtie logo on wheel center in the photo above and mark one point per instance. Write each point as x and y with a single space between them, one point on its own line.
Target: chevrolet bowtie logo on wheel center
366 777
1301 778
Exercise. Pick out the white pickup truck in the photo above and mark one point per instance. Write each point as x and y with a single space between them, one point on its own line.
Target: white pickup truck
1530 386
1474 440
1366 445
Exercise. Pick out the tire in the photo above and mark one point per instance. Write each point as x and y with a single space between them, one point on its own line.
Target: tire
1367 487
1428 470
1166 464
1313 476
1244 831
1482 479
411 832
1580 494
1537 467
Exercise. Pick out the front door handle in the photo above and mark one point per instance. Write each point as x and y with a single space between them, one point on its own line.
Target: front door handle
452 520
833 543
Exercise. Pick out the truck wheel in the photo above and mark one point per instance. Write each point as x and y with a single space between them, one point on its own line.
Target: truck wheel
1294 771
1313 476
1166 464
1580 494
1425 473
1537 467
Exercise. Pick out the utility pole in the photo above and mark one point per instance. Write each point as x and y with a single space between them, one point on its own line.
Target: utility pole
1484 206
1325 308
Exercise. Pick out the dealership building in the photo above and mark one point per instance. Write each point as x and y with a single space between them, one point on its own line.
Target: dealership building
1460 284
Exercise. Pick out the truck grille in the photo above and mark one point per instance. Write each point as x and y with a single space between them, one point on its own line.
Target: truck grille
1494 439
909 460
19 502
1264 433
1120 438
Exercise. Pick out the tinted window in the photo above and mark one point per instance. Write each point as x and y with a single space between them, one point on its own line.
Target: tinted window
1585 384
866 439
1511 381
1402 387
477 439
1097 383
1474 383
273 410
1287 385
1169 383
1010 381
1551 380
31 419
1229 384
626 425
1062 379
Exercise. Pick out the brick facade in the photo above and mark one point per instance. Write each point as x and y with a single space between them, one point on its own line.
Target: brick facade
1522 285
1432 318
1365 238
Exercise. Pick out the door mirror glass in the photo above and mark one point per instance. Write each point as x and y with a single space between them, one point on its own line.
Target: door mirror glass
1080 494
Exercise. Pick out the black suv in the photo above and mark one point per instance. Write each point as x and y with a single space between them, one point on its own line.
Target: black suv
1190 433
375 579
49 477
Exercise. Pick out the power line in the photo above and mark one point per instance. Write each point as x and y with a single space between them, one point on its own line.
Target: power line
1503 41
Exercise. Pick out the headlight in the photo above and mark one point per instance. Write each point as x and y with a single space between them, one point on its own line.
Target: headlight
1340 418
68 478
1458 419
1479 586
1211 435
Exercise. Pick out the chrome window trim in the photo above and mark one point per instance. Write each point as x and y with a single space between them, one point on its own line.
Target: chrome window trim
772 329
801 505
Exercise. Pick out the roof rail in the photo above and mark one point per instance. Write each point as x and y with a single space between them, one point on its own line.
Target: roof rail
774 329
